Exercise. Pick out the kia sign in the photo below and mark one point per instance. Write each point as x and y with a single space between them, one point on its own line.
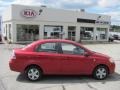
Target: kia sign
29 13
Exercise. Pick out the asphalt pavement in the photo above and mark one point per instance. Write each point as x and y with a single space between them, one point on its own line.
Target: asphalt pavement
10 80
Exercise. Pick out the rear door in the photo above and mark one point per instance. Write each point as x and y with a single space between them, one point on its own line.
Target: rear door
49 58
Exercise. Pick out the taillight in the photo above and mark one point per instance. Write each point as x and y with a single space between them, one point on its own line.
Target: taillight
13 55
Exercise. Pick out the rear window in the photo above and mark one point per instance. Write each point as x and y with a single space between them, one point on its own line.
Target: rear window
47 47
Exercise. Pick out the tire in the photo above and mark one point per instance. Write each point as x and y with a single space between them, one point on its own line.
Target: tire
33 73
100 72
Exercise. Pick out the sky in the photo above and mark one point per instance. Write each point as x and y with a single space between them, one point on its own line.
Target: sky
107 7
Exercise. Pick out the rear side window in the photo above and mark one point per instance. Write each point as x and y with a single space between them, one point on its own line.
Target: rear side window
47 47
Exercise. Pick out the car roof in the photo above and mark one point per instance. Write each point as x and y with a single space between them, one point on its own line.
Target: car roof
48 40
55 40
51 40
58 40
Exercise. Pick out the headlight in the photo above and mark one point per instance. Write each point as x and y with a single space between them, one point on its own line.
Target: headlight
111 60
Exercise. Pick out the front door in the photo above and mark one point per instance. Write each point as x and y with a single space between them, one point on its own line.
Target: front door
73 60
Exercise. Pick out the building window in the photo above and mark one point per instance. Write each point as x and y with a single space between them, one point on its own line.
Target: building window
9 27
86 33
27 32
71 33
52 32
101 33
6 30
85 20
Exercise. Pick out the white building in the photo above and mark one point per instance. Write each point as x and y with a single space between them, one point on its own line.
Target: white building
28 23
0 25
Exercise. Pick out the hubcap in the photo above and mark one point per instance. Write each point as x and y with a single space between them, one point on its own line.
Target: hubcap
101 73
33 74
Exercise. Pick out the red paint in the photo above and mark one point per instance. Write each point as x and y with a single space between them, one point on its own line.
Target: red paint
58 63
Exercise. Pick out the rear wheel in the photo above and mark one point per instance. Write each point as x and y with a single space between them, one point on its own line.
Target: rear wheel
100 73
33 73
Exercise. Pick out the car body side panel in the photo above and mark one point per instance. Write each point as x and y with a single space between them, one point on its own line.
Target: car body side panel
77 64
56 63
48 62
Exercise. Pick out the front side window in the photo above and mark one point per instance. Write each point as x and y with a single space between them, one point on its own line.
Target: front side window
47 47
71 49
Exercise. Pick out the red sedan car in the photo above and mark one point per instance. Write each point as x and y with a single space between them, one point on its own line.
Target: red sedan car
60 57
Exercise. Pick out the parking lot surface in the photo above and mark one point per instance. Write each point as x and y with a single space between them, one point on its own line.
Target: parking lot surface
10 80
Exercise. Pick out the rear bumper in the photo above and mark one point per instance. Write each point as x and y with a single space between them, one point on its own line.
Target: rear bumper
15 66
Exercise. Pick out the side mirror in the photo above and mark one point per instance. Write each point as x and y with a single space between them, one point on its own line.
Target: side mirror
86 54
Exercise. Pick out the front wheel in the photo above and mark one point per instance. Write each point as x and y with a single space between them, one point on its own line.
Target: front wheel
100 73
33 73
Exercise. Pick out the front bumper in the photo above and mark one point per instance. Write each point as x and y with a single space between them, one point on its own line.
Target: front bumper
111 68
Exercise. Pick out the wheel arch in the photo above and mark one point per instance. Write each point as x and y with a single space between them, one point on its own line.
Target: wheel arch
33 65
101 65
